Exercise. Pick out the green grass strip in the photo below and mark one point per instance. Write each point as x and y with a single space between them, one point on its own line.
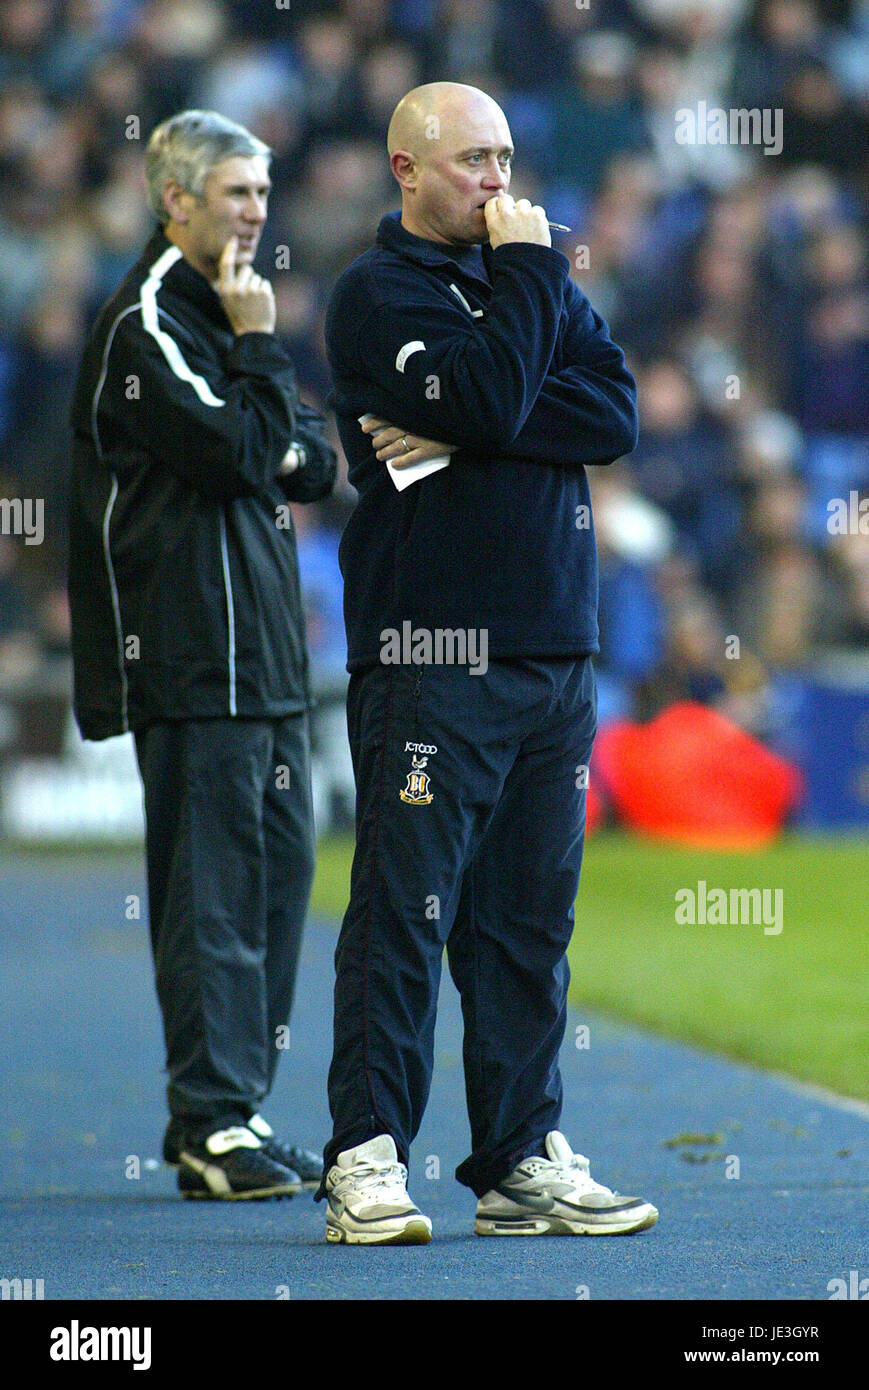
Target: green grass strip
796 1002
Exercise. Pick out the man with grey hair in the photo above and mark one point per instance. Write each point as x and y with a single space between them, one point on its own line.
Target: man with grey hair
189 443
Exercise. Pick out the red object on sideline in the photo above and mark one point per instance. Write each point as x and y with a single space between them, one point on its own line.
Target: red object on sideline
693 777
595 809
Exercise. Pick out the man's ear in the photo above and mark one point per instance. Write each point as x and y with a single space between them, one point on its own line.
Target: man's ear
405 168
177 201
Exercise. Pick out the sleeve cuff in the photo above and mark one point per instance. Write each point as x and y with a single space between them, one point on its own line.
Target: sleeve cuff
547 256
259 350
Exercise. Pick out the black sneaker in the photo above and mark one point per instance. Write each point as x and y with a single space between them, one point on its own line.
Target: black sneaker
231 1165
308 1165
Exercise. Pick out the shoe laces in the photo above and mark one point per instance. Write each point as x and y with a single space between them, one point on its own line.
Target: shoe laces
575 1171
378 1175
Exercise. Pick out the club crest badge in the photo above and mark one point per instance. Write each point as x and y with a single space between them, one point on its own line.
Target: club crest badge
416 790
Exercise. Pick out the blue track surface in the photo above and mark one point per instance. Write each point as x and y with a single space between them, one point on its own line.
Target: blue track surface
82 1095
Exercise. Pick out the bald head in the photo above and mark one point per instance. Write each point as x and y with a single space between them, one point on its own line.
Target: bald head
450 150
433 111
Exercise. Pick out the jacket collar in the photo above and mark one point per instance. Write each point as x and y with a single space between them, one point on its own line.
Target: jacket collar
182 277
468 260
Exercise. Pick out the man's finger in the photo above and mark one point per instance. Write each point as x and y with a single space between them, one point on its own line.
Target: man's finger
373 426
502 202
381 438
393 446
407 460
226 265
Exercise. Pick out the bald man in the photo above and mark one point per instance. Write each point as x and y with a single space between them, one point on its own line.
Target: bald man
473 385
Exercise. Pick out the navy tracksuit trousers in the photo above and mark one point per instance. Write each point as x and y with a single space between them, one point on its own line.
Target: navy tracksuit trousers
470 821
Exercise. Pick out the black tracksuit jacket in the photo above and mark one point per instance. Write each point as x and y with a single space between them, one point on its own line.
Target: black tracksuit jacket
184 585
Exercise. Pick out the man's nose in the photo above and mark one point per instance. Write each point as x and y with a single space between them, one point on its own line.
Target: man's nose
255 210
496 178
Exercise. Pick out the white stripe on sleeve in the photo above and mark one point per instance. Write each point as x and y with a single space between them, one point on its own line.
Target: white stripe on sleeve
169 347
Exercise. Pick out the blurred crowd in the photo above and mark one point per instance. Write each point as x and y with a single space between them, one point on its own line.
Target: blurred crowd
735 279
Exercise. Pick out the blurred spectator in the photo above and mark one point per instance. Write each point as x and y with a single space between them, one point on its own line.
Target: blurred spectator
253 84
331 215
173 40
822 126
633 538
851 573
777 606
300 324
322 594
781 37
330 76
387 72
19 650
26 30
686 465
597 116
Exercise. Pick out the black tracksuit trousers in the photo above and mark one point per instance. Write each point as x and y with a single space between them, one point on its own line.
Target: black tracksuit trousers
230 860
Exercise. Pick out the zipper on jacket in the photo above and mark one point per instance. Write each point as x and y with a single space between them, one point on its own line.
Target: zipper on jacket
230 611
116 601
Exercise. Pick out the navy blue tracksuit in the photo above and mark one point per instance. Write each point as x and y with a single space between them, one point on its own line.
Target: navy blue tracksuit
470 783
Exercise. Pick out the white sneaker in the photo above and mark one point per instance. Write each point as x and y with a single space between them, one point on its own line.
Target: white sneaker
557 1196
367 1198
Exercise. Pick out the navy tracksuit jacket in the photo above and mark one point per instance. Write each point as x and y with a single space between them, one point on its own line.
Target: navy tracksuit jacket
470 798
